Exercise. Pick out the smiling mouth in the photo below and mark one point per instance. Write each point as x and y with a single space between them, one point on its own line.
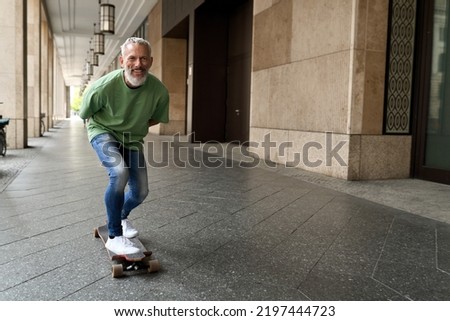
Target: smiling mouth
137 72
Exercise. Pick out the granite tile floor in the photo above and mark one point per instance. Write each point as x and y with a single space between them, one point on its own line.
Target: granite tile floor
221 232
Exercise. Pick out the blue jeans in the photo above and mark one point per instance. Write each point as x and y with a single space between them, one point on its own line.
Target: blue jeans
124 167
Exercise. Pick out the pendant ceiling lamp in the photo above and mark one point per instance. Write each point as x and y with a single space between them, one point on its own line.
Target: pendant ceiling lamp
94 58
107 18
99 41
89 69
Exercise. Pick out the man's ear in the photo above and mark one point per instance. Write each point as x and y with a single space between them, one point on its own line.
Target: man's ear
121 60
151 63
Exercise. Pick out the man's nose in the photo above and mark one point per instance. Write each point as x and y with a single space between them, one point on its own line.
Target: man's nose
139 62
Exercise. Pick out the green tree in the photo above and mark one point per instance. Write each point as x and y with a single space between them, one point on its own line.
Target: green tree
75 103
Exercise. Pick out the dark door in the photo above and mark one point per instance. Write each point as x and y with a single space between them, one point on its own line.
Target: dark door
210 73
239 71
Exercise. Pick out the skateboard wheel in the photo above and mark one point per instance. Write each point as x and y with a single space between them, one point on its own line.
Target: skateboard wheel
117 270
96 234
153 266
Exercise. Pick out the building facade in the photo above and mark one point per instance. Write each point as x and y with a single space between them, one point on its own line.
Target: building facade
354 89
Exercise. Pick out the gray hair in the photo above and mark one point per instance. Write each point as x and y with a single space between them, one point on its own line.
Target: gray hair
136 40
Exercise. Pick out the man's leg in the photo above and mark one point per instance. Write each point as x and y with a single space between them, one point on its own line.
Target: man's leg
137 189
109 153
137 183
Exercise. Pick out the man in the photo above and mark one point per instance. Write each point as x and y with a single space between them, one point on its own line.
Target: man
120 107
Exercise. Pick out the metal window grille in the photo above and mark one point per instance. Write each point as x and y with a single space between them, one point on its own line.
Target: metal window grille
400 66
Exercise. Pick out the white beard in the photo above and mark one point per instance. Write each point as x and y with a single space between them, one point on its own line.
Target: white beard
134 81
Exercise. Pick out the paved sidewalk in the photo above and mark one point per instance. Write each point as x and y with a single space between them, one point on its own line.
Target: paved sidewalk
16 159
223 233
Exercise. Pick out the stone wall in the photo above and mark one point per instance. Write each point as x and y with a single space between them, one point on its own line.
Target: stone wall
318 88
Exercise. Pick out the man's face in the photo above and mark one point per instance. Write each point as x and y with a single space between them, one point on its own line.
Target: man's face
136 62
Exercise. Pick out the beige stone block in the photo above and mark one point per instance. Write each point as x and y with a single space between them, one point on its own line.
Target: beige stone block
8 14
354 157
154 23
260 99
175 78
324 153
15 134
286 93
175 81
320 27
20 139
357 85
261 5
33 7
360 21
316 152
270 144
310 95
157 48
371 22
30 125
19 97
31 70
377 24
30 44
366 105
272 36
177 107
175 52
256 137
307 150
374 93
157 55
385 157
7 94
157 72
35 130
7 64
280 150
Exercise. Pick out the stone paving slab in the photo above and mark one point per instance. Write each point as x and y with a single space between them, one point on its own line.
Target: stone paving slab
224 233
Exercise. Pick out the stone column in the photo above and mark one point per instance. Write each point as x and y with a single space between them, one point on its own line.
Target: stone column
169 65
34 65
44 78
13 70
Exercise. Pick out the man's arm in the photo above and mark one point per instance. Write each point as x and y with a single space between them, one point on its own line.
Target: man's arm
90 104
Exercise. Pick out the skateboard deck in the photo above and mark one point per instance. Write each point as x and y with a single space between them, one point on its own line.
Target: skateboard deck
128 262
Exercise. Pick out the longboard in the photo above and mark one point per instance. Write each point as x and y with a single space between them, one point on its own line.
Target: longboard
128 262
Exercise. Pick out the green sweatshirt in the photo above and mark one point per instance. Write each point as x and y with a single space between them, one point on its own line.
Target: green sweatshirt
112 107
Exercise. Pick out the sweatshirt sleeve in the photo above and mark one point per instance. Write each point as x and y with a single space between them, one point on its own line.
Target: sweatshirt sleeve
90 104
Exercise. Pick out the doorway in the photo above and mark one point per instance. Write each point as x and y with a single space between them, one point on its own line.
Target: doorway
222 71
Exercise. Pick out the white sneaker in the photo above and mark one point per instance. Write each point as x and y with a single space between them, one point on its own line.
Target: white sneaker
128 230
121 245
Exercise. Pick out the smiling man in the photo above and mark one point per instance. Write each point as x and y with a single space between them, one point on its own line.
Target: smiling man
120 107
